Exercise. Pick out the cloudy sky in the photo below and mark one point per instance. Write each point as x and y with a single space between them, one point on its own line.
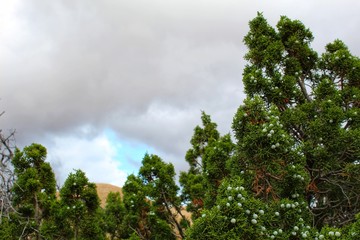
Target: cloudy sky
101 82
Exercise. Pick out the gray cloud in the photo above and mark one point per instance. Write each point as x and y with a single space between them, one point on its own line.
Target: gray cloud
142 68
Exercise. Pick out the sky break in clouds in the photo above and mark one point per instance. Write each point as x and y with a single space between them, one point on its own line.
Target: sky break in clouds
100 83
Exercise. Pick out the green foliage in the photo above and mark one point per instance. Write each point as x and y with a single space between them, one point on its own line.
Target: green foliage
267 155
315 101
158 178
80 203
239 215
114 215
215 158
353 230
34 189
137 208
58 225
207 159
294 172
6 229
161 189
10 227
143 220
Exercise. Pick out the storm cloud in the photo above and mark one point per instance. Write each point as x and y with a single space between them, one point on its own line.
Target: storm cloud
144 69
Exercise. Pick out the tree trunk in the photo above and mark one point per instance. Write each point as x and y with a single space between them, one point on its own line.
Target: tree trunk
37 217
173 218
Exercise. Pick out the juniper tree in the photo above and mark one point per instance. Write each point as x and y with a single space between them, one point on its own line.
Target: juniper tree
238 214
114 215
142 220
159 180
207 159
313 102
81 205
34 189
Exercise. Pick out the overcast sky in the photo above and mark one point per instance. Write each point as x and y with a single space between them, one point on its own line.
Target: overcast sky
101 82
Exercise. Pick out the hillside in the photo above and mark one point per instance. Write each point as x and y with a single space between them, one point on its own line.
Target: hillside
103 190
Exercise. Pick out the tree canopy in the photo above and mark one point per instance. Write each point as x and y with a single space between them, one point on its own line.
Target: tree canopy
297 142
314 101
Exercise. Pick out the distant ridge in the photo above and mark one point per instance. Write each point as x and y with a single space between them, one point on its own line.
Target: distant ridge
103 190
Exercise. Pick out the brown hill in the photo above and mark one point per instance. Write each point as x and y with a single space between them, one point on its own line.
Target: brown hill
103 190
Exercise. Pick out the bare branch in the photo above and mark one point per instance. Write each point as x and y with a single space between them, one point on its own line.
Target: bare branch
6 172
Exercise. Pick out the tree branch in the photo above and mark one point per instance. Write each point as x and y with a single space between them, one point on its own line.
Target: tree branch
301 82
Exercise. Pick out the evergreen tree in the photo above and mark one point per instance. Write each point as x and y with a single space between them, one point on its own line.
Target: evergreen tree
215 164
162 190
57 225
34 189
207 159
81 204
294 173
136 206
114 215
238 214
143 220
267 157
310 109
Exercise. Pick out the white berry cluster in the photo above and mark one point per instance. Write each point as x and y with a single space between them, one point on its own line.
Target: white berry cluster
237 209
236 199
328 235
